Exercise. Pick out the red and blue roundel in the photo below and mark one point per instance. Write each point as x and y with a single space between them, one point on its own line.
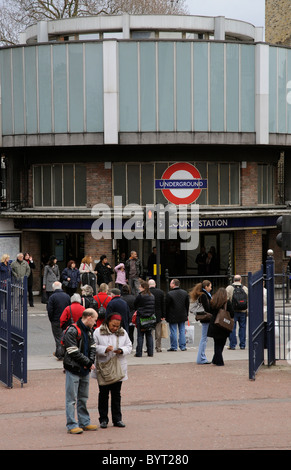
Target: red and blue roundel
181 183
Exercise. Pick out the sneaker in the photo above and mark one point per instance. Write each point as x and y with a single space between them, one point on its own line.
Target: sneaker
90 427
103 425
75 431
232 349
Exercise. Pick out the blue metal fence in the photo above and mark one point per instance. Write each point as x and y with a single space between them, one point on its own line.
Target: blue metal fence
13 331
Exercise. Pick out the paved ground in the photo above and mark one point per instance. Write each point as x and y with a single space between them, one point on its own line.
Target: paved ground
169 403
177 406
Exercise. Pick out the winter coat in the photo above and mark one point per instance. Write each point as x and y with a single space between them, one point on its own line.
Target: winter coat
138 266
75 361
5 271
77 311
74 275
104 299
129 299
30 277
20 269
177 305
104 273
118 305
57 303
144 305
104 338
215 331
51 274
120 275
159 303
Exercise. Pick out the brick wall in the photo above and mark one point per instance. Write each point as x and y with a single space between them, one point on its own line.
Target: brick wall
278 20
30 242
249 185
99 184
248 250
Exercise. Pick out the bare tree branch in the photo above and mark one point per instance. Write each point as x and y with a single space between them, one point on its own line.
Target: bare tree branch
17 15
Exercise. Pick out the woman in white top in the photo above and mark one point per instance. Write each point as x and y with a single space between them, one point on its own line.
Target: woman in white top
111 339
88 275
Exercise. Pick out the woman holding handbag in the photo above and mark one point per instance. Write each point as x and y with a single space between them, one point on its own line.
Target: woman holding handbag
112 346
201 292
219 301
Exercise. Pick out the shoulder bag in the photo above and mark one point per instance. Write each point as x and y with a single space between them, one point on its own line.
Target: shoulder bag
110 371
224 320
200 314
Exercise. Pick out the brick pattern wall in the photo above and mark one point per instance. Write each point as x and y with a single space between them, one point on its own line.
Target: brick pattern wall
249 185
99 184
30 242
248 250
278 20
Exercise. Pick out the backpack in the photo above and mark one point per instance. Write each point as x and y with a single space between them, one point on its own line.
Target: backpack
101 310
239 298
90 302
64 334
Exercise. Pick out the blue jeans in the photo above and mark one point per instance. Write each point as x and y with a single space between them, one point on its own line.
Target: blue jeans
149 341
201 357
173 336
241 319
77 392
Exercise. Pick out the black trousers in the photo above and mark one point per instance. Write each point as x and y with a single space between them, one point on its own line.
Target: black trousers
219 344
103 400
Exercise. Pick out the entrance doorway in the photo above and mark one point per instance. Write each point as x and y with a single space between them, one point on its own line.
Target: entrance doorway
179 262
65 246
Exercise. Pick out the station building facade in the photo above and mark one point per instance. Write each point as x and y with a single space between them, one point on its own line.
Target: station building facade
93 108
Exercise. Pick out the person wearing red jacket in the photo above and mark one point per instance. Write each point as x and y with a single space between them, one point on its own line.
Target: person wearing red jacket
75 310
103 299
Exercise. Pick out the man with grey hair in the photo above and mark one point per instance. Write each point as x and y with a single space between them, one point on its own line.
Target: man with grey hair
20 267
57 303
72 312
238 295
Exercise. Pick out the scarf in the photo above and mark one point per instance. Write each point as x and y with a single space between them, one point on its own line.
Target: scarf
104 330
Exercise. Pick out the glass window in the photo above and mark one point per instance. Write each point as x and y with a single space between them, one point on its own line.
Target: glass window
133 184
212 184
265 184
59 185
136 183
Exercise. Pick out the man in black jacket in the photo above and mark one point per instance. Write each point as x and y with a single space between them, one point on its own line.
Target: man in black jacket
118 305
57 303
159 311
177 307
79 360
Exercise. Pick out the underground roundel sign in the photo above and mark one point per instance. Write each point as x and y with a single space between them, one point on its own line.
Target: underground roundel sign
181 183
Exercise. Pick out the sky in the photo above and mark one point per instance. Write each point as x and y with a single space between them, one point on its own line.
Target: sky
252 11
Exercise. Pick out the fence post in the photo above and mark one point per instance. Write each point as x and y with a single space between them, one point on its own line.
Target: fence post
270 285
167 280
9 381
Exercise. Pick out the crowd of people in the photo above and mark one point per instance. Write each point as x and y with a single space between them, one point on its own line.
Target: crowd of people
95 322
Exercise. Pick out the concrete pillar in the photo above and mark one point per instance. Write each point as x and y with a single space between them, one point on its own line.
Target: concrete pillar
262 94
111 92
219 28
126 26
42 31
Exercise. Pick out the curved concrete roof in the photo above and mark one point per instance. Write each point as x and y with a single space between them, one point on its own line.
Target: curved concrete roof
220 27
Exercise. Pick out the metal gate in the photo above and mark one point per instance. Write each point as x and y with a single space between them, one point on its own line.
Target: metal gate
261 330
256 321
13 331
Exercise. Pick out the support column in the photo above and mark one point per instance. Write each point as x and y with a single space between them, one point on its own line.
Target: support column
262 94
111 92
